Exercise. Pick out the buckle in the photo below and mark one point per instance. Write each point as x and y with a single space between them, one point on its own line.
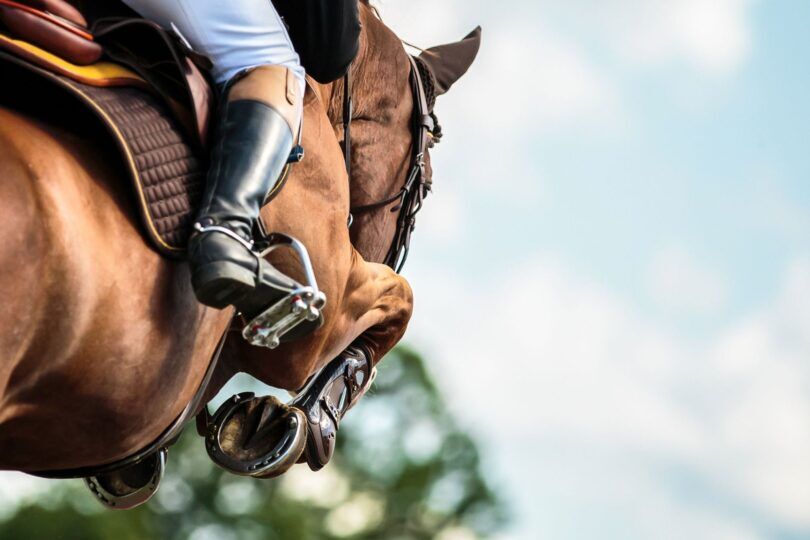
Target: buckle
302 304
296 155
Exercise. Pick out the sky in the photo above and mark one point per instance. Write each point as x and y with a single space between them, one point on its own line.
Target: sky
612 277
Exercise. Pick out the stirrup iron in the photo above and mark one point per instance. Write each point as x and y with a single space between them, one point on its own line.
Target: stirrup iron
302 304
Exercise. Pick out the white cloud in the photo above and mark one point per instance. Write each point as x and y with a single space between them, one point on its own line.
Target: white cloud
578 396
445 225
549 65
711 36
595 415
528 77
679 281
763 414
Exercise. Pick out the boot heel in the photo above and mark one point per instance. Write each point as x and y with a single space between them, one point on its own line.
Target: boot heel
221 284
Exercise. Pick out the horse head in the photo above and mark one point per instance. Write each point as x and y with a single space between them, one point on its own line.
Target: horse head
385 126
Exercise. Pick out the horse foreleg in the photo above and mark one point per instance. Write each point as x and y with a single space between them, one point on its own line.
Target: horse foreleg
373 305
378 308
371 310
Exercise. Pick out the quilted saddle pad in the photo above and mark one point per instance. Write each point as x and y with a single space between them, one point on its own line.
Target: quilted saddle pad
166 170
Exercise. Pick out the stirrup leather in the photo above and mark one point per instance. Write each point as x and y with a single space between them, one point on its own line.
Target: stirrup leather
302 304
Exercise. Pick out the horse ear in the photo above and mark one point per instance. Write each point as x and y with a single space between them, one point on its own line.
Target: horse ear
449 62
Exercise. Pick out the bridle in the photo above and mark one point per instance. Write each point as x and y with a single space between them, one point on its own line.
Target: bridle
426 132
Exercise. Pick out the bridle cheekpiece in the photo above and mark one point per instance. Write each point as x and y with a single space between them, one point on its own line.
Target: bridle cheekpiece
426 133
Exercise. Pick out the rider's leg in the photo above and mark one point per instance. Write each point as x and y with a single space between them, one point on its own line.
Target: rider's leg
234 34
255 61
257 130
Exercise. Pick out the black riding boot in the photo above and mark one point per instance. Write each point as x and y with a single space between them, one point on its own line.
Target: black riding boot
254 143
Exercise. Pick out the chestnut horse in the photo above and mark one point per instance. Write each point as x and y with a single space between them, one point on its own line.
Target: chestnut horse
103 343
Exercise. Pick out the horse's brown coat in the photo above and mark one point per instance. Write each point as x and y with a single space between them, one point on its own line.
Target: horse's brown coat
102 342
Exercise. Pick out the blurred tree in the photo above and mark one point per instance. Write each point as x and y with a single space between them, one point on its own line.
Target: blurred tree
403 471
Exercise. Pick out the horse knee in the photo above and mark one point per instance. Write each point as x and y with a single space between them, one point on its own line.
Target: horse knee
402 308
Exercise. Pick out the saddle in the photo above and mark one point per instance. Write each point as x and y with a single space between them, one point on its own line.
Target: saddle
145 87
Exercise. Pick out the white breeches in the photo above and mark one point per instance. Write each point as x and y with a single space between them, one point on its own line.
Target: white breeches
235 34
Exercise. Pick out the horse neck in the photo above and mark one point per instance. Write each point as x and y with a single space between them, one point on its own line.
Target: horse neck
381 98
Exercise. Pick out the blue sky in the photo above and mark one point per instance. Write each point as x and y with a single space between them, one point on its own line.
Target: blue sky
619 239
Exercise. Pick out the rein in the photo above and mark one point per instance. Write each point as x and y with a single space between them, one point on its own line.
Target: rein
417 184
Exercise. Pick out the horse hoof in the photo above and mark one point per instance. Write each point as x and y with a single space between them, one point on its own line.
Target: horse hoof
259 437
131 486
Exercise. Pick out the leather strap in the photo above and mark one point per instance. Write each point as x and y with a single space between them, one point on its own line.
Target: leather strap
348 110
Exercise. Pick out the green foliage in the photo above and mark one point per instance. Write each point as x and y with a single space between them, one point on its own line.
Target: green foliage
403 470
